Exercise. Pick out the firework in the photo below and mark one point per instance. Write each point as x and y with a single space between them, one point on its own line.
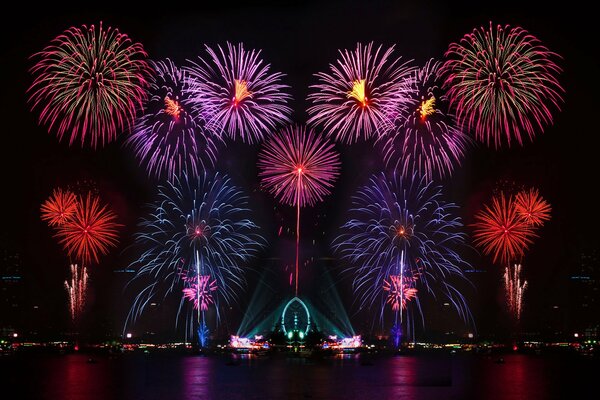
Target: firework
503 84
515 287
89 83
299 168
168 139
77 290
197 227
532 208
199 291
402 227
360 95
59 208
425 139
501 232
399 292
245 99
90 232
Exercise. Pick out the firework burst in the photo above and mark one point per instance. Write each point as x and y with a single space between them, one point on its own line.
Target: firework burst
503 84
532 208
197 227
89 83
200 291
401 227
360 95
399 293
169 139
501 231
299 168
90 232
244 98
425 139
59 208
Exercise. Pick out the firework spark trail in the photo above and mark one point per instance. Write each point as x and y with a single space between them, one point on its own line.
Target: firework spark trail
402 226
90 232
503 84
244 98
77 290
515 288
298 168
89 83
425 139
360 95
500 230
170 139
59 208
197 226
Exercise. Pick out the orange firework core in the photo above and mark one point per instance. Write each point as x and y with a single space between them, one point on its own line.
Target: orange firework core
172 107
358 92
427 108
241 91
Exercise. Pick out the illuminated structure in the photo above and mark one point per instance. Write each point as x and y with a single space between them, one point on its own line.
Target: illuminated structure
295 320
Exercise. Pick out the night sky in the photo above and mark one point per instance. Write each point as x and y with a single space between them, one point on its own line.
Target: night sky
300 40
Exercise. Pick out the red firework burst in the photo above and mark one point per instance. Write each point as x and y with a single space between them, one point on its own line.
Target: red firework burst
500 231
298 167
59 207
90 232
399 292
532 208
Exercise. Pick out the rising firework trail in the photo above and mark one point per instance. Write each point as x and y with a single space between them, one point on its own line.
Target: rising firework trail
402 227
170 139
361 94
77 290
514 287
197 227
425 139
298 168
503 84
89 83
236 87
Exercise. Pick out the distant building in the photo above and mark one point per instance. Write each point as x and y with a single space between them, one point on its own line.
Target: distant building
11 291
584 307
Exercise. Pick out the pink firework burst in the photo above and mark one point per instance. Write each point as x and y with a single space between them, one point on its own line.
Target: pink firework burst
298 167
361 94
400 292
532 207
200 291
503 84
89 83
515 288
237 88
77 290
59 208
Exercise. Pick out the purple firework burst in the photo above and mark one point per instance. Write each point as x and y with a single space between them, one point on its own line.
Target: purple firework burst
425 139
360 95
245 99
168 139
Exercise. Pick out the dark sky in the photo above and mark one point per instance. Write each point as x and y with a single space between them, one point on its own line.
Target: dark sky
301 39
